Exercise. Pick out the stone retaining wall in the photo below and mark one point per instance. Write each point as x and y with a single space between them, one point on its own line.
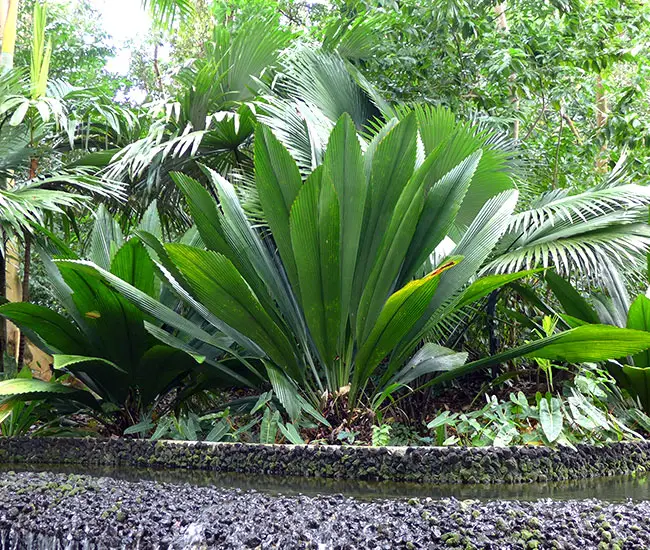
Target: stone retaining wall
414 464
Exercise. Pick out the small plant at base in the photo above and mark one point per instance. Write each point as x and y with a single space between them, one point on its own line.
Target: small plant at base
589 411
381 435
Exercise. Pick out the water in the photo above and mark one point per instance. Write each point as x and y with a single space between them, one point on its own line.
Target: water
609 489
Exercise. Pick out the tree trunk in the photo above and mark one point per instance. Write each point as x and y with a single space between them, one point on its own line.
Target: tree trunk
602 112
502 25
3 296
8 33
27 266
4 5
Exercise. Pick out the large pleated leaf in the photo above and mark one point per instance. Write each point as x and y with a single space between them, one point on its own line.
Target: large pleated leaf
54 330
402 310
442 203
219 286
133 265
285 391
106 238
475 246
638 318
458 140
71 362
180 287
392 167
205 213
150 221
107 318
253 258
344 162
278 182
33 387
485 285
594 343
314 224
429 359
159 368
394 247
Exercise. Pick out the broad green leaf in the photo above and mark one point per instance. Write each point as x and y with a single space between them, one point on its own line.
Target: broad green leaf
205 213
218 432
638 318
485 285
392 167
140 428
505 435
594 343
456 140
344 162
269 427
106 238
475 247
314 224
572 301
64 362
278 182
18 386
394 247
285 391
429 359
54 330
401 311
550 417
442 203
443 418
251 256
291 433
587 343
106 318
218 285
150 221
262 400
27 389
133 265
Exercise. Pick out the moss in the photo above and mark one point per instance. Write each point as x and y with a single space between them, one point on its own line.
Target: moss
431 465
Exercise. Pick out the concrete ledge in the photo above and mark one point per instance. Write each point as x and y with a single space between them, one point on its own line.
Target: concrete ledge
414 464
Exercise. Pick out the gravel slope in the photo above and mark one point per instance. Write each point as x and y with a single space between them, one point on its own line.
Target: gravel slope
51 511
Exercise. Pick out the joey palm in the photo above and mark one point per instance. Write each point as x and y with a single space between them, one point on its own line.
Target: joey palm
326 297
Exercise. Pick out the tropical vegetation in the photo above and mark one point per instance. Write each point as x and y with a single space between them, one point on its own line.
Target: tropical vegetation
307 234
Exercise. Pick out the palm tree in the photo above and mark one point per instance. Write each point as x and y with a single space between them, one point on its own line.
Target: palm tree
167 12
34 115
209 120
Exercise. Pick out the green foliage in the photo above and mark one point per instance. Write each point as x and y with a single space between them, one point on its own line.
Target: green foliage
130 376
80 46
381 435
323 331
589 410
338 307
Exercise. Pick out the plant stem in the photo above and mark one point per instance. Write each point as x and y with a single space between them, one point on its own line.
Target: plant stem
27 264
3 296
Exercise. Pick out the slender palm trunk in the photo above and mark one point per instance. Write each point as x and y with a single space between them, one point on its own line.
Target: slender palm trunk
3 296
502 24
8 23
9 20
602 112
27 267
